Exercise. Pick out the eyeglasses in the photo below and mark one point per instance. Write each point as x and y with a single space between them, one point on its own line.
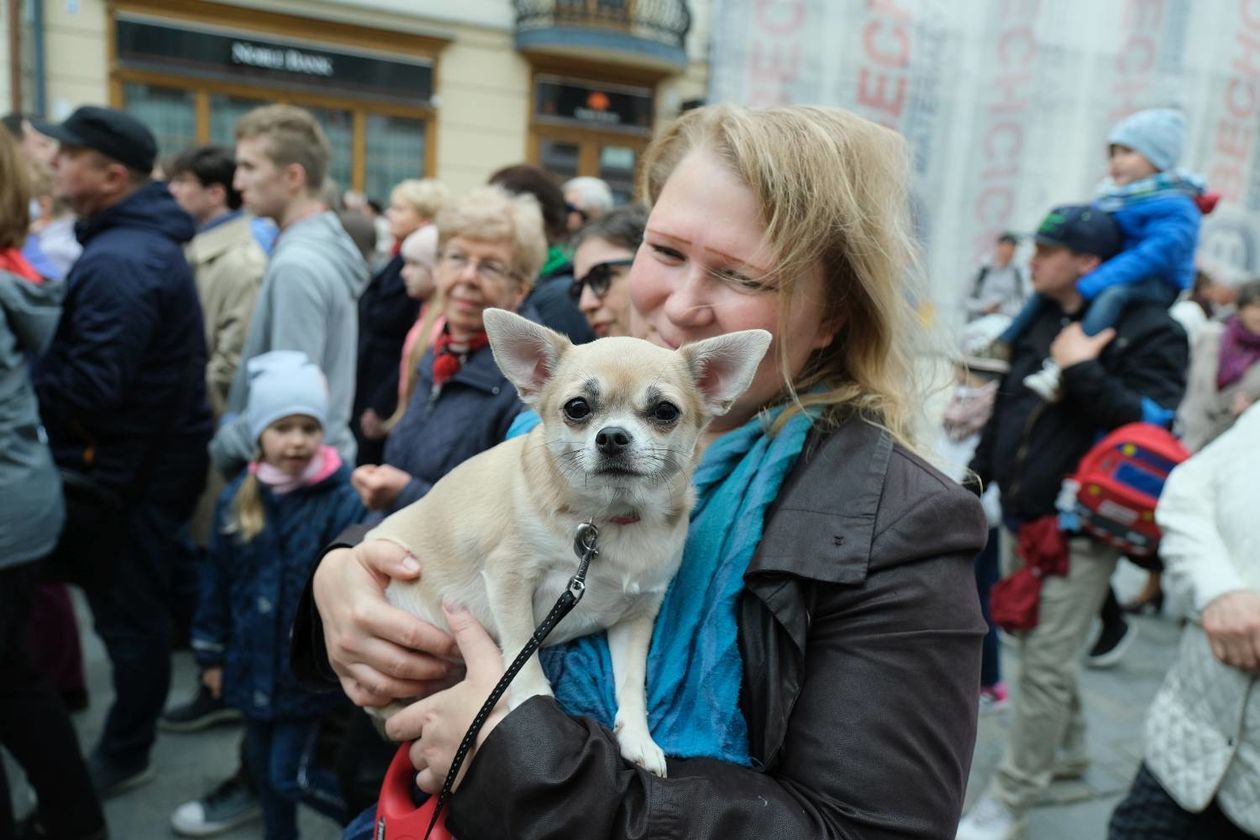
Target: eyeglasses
599 278
492 271
570 207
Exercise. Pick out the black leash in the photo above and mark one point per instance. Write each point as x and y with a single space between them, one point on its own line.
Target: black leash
586 547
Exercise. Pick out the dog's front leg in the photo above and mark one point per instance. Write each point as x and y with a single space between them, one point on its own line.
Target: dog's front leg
628 642
511 599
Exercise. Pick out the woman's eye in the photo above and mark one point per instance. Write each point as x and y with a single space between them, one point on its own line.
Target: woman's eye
667 254
577 409
664 412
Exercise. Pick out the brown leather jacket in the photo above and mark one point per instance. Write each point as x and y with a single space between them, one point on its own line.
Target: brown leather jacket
860 631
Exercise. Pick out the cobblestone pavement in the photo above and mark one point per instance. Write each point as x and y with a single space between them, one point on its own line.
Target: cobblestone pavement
1115 703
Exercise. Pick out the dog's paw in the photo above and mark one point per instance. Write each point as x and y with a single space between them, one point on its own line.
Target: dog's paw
637 746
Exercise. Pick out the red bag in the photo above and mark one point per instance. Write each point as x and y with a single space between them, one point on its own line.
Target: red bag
1014 599
1120 481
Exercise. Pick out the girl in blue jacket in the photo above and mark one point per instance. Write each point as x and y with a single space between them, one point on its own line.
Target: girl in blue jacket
271 524
1158 209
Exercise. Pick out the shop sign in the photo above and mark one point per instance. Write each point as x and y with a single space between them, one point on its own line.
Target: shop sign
594 106
167 46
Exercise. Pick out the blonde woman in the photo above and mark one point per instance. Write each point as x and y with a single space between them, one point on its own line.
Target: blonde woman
386 313
815 666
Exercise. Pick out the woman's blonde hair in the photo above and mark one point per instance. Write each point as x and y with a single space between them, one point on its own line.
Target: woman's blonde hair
426 196
833 191
15 193
248 517
486 214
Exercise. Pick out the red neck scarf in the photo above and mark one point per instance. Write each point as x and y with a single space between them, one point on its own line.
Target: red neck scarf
12 261
449 356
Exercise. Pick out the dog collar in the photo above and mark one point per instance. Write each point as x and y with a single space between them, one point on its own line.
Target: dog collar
627 519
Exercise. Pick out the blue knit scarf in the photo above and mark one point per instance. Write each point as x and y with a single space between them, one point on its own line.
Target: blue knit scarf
694 667
1112 197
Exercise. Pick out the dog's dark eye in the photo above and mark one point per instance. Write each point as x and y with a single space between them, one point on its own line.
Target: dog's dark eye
664 412
577 409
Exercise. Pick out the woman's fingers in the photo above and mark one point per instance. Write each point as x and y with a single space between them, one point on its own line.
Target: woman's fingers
387 559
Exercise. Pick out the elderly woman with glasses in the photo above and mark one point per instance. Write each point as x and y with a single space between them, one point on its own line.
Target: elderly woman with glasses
603 252
490 245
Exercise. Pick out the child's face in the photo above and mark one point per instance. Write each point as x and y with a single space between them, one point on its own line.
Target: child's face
1125 166
291 442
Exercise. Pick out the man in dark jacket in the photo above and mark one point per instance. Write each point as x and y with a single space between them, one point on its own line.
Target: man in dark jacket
1133 373
122 393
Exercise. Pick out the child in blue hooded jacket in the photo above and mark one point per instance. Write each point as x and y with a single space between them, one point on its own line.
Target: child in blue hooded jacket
271 525
1158 209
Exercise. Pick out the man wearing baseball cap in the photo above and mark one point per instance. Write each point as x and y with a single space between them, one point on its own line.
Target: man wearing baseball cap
1029 446
122 395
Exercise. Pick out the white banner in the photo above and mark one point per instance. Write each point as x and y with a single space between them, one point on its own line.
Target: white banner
1007 104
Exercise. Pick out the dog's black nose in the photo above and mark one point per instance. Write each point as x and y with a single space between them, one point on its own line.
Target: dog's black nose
612 440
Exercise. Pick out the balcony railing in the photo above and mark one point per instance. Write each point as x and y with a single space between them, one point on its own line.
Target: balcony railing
663 21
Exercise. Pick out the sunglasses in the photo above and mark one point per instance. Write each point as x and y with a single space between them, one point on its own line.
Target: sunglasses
599 278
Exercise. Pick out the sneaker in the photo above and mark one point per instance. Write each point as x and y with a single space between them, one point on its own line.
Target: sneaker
1112 643
228 806
201 712
990 820
993 698
111 779
1045 383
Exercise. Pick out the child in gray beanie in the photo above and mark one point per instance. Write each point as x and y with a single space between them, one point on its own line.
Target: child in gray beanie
1159 209
270 526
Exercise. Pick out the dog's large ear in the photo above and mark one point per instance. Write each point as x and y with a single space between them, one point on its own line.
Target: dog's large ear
723 366
526 352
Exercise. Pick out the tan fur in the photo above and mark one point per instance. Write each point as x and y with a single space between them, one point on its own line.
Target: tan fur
496 533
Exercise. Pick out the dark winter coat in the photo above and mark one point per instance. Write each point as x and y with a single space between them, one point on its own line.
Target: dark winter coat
860 634
125 375
386 314
556 309
1029 446
436 434
250 592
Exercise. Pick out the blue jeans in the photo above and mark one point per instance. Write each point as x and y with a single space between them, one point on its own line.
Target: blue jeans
281 762
1104 310
362 826
131 612
987 574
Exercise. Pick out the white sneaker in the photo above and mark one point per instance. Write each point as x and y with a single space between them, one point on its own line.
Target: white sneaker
1046 383
990 820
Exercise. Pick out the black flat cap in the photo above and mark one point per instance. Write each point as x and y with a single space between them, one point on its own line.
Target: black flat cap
115 134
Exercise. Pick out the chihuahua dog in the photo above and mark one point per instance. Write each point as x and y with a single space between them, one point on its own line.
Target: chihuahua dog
617 446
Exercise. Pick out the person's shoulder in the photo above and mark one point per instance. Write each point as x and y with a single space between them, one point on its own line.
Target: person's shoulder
923 512
1144 318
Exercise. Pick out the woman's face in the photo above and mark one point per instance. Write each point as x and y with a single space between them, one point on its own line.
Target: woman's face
610 314
1249 316
403 218
474 275
701 273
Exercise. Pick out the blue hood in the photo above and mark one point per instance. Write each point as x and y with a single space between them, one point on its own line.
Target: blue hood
151 207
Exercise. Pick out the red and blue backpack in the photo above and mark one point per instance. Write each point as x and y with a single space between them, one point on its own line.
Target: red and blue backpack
1120 480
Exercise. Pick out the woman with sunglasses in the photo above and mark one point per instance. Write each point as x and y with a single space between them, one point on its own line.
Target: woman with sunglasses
602 254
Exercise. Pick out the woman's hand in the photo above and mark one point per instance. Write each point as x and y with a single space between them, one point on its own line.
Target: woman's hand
379 485
379 652
1232 624
437 724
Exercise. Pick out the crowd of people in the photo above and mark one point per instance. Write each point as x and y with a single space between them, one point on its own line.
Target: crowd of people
219 371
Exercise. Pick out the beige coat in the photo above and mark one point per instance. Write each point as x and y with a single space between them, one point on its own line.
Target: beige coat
1206 412
229 266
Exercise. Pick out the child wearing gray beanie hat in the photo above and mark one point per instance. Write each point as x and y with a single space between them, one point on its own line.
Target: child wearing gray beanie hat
281 383
1158 208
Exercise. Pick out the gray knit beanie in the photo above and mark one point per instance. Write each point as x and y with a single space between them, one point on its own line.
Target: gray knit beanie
281 383
1156 134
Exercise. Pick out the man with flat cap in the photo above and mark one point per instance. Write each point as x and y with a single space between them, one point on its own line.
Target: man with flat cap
122 395
1135 372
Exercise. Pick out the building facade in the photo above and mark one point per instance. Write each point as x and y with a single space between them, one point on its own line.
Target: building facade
451 89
